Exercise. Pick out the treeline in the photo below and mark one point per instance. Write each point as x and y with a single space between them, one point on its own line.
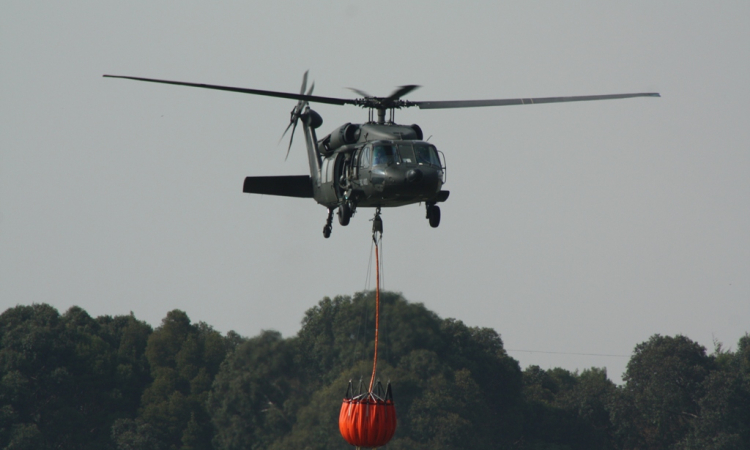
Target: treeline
71 381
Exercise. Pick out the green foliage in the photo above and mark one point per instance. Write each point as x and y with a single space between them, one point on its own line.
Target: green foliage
129 434
65 379
653 408
256 393
454 386
566 409
71 381
676 396
743 357
184 359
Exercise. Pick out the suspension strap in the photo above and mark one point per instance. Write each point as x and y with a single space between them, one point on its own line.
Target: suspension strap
377 310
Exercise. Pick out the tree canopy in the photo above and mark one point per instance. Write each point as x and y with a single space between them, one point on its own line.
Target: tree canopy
72 381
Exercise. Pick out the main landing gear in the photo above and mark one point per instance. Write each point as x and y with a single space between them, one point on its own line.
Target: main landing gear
433 214
329 224
345 212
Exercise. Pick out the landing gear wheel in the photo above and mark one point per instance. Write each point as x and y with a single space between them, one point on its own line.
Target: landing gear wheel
344 213
329 224
433 214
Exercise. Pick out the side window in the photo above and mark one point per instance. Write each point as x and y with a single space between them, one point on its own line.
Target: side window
423 154
426 154
364 160
434 160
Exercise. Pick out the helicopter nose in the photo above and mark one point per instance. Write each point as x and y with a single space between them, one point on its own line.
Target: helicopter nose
414 176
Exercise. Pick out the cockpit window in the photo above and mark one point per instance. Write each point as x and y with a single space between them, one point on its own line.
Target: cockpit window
407 154
383 155
364 160
426 154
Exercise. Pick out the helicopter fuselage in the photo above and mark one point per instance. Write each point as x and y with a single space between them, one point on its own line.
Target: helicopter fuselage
377 165
385 165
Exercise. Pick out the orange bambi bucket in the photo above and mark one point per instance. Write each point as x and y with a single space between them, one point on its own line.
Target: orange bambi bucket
368 420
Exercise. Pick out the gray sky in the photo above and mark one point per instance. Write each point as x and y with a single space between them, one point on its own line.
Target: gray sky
575 228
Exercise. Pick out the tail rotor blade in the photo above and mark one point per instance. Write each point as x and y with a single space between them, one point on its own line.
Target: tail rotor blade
287 129
291 138
296 112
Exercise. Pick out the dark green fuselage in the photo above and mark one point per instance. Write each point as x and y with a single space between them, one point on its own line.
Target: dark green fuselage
385 165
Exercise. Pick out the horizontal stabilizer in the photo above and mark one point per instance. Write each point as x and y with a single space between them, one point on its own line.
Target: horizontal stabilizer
286 185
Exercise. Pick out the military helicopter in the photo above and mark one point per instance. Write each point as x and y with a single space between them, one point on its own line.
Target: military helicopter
374 164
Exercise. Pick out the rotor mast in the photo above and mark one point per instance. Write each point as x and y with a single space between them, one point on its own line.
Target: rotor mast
381 115
381 106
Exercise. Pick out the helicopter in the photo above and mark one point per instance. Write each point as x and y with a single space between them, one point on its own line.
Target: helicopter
374 164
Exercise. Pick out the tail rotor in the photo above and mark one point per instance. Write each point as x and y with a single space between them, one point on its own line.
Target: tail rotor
297 112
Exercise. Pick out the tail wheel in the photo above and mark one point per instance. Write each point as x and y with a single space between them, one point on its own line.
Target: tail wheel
344 213
433 214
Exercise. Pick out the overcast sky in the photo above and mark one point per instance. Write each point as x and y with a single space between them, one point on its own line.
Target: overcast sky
579 228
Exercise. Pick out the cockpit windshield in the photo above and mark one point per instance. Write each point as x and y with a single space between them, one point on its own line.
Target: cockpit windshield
426 154
383 155
407 154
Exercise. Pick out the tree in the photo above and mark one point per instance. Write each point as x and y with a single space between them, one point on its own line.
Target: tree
724 418
454 386
256 394
72 381
129 434
660 401
63 380
184 359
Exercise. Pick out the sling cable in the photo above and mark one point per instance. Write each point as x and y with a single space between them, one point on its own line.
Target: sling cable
369 419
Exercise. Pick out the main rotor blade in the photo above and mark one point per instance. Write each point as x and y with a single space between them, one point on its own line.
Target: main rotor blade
523 101
401 91
304 83
309 98
359 92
